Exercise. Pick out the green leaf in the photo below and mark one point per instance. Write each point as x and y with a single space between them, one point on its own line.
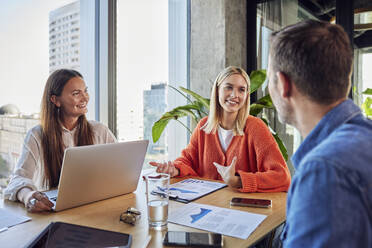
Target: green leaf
366 106
368 91
203 111
265 101
198 97
257 79
175 114
258 106
280 143
255 109
185 96
158 128
188 112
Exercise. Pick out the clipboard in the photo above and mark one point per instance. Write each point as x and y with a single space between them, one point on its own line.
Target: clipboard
190 189
70 235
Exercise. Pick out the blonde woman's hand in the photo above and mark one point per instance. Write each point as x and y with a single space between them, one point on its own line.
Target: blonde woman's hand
36 201
228 174
166 167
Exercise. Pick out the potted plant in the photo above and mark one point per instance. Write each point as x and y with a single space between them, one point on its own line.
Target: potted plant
199 108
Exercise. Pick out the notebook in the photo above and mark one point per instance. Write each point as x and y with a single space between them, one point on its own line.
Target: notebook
97 172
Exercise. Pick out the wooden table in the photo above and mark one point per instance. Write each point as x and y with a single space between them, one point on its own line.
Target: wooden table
105 215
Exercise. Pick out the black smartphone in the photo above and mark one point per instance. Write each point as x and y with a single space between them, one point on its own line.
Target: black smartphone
250 202
192 239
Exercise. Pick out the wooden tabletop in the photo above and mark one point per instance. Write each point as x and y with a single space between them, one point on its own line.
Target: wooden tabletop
105 215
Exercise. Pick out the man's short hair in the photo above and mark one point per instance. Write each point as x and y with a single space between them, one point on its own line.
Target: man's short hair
316 56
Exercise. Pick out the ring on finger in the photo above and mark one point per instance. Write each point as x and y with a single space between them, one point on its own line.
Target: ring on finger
33 201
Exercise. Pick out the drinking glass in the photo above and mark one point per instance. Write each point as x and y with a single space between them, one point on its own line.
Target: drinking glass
157 188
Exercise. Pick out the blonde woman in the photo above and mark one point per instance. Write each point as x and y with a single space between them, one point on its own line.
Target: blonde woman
62 124
231 145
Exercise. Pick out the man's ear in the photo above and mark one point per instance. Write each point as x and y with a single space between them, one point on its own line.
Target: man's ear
284 84
54 100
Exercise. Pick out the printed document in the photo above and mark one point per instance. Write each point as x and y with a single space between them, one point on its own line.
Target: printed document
9 219
229 222
190 189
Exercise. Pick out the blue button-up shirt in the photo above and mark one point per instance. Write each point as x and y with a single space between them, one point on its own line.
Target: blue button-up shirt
330 198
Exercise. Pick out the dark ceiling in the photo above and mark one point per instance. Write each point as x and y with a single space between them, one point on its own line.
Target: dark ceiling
326 9
322 9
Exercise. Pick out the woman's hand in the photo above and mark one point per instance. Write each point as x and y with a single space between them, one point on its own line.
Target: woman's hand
228 174
36 201
167 168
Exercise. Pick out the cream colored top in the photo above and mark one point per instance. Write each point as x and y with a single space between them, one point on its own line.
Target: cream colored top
29 171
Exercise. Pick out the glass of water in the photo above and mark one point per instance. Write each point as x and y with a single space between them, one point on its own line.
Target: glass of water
157 188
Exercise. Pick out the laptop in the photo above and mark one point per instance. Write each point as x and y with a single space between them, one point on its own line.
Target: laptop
97 172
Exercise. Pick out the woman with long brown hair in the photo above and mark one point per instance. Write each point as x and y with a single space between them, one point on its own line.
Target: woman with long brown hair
63 124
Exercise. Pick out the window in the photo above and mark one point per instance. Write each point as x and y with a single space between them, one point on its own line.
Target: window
271 18
144 52
33 33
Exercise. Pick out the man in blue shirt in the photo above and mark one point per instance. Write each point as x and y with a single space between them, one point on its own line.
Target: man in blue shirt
330 198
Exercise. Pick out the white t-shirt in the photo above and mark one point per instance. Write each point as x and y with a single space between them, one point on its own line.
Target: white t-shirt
225 137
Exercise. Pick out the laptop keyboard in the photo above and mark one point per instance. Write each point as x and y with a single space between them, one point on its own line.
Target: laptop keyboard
52 194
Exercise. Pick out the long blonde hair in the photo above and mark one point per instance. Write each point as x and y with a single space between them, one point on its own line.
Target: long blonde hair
52 141
215 109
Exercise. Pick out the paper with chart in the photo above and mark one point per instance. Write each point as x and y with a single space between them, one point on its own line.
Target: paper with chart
9 219
230 222
191 189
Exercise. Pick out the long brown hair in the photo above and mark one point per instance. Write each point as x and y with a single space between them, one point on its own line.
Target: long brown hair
51 138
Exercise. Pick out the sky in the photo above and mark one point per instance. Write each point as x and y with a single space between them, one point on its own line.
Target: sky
24 60
142 58
24 49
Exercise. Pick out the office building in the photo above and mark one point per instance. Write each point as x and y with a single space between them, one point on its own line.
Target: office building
155 103
13 129
64 37
129 125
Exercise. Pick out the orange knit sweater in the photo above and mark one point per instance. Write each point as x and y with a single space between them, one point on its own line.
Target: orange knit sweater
259 162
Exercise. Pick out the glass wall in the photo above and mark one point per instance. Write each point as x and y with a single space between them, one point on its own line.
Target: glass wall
272 16
37 37
362 64
147 61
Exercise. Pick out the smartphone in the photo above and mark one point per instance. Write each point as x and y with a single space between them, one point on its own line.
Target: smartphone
250 202
192 239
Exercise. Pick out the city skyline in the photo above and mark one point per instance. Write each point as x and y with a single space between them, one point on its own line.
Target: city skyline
27 41
24 65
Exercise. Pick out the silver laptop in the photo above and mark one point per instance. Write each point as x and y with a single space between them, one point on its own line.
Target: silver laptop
97 172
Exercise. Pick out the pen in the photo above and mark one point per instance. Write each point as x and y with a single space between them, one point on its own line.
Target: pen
172 197
3 229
